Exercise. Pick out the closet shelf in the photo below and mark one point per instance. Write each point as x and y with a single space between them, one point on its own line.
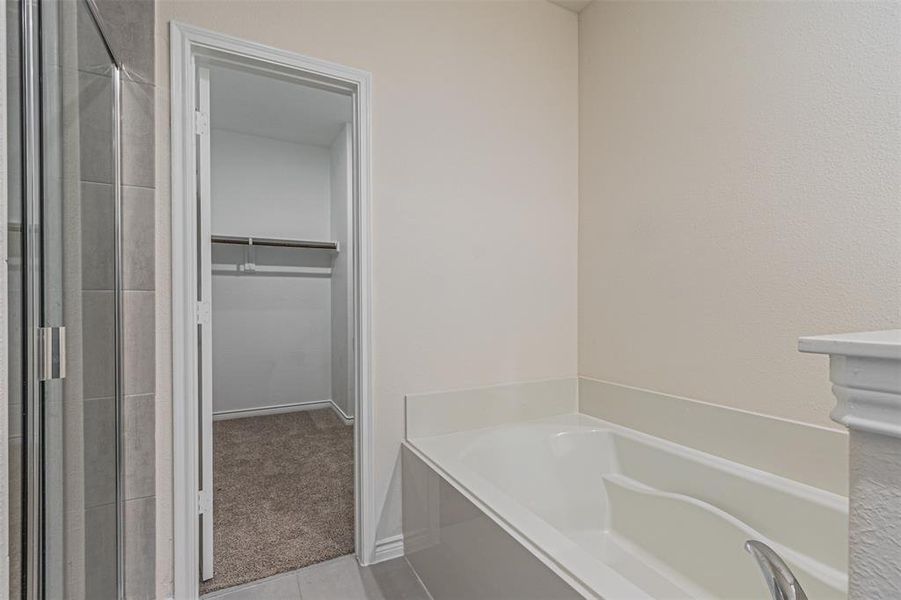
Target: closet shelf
273 242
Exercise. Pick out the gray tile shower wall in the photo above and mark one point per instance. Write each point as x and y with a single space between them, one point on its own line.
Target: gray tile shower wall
138 160
139 362
140 548
137 237
129 23
130 27
139 446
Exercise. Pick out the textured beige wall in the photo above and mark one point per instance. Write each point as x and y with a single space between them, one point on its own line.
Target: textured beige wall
740 186
475 192
875 486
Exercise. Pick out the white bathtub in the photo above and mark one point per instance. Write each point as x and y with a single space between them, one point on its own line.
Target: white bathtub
606 512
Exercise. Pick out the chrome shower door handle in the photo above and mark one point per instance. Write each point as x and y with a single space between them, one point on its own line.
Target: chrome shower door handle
779 579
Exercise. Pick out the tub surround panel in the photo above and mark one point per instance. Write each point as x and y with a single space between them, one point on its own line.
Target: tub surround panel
445 412
809 454
458 551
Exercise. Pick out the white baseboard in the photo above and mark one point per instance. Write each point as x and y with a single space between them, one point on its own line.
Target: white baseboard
348 420
271 410
283 408
388 548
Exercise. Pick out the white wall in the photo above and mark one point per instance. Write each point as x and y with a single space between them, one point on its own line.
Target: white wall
740 184
269 188
342 300
271 331
474 208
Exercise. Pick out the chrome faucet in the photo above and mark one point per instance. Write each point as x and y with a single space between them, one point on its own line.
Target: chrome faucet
779 578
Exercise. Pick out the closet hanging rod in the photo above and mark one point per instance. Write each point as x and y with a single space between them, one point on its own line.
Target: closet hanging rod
280 243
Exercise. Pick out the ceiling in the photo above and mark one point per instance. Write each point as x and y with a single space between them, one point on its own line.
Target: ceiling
248 103
573 5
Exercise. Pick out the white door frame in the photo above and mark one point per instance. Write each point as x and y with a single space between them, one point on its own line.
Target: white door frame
188 43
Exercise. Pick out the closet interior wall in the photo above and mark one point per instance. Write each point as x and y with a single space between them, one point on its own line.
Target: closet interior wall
280 315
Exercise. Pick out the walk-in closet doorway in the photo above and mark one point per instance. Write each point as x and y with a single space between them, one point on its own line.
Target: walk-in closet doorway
270 277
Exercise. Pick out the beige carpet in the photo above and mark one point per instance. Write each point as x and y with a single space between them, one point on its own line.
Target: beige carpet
284 495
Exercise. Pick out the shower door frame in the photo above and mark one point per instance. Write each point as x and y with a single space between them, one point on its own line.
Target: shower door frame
187 45
32 125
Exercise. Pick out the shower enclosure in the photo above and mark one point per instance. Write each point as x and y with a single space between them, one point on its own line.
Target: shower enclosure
64 303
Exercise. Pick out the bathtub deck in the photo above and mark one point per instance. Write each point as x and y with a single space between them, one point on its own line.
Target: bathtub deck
636 565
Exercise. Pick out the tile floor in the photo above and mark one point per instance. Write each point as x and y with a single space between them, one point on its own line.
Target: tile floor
338 579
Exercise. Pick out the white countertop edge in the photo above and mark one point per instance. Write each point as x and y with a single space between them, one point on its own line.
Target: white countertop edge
885 344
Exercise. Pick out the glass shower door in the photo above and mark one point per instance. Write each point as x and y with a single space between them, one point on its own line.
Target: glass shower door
72 546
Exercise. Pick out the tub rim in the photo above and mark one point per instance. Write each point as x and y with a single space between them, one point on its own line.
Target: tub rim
585 573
